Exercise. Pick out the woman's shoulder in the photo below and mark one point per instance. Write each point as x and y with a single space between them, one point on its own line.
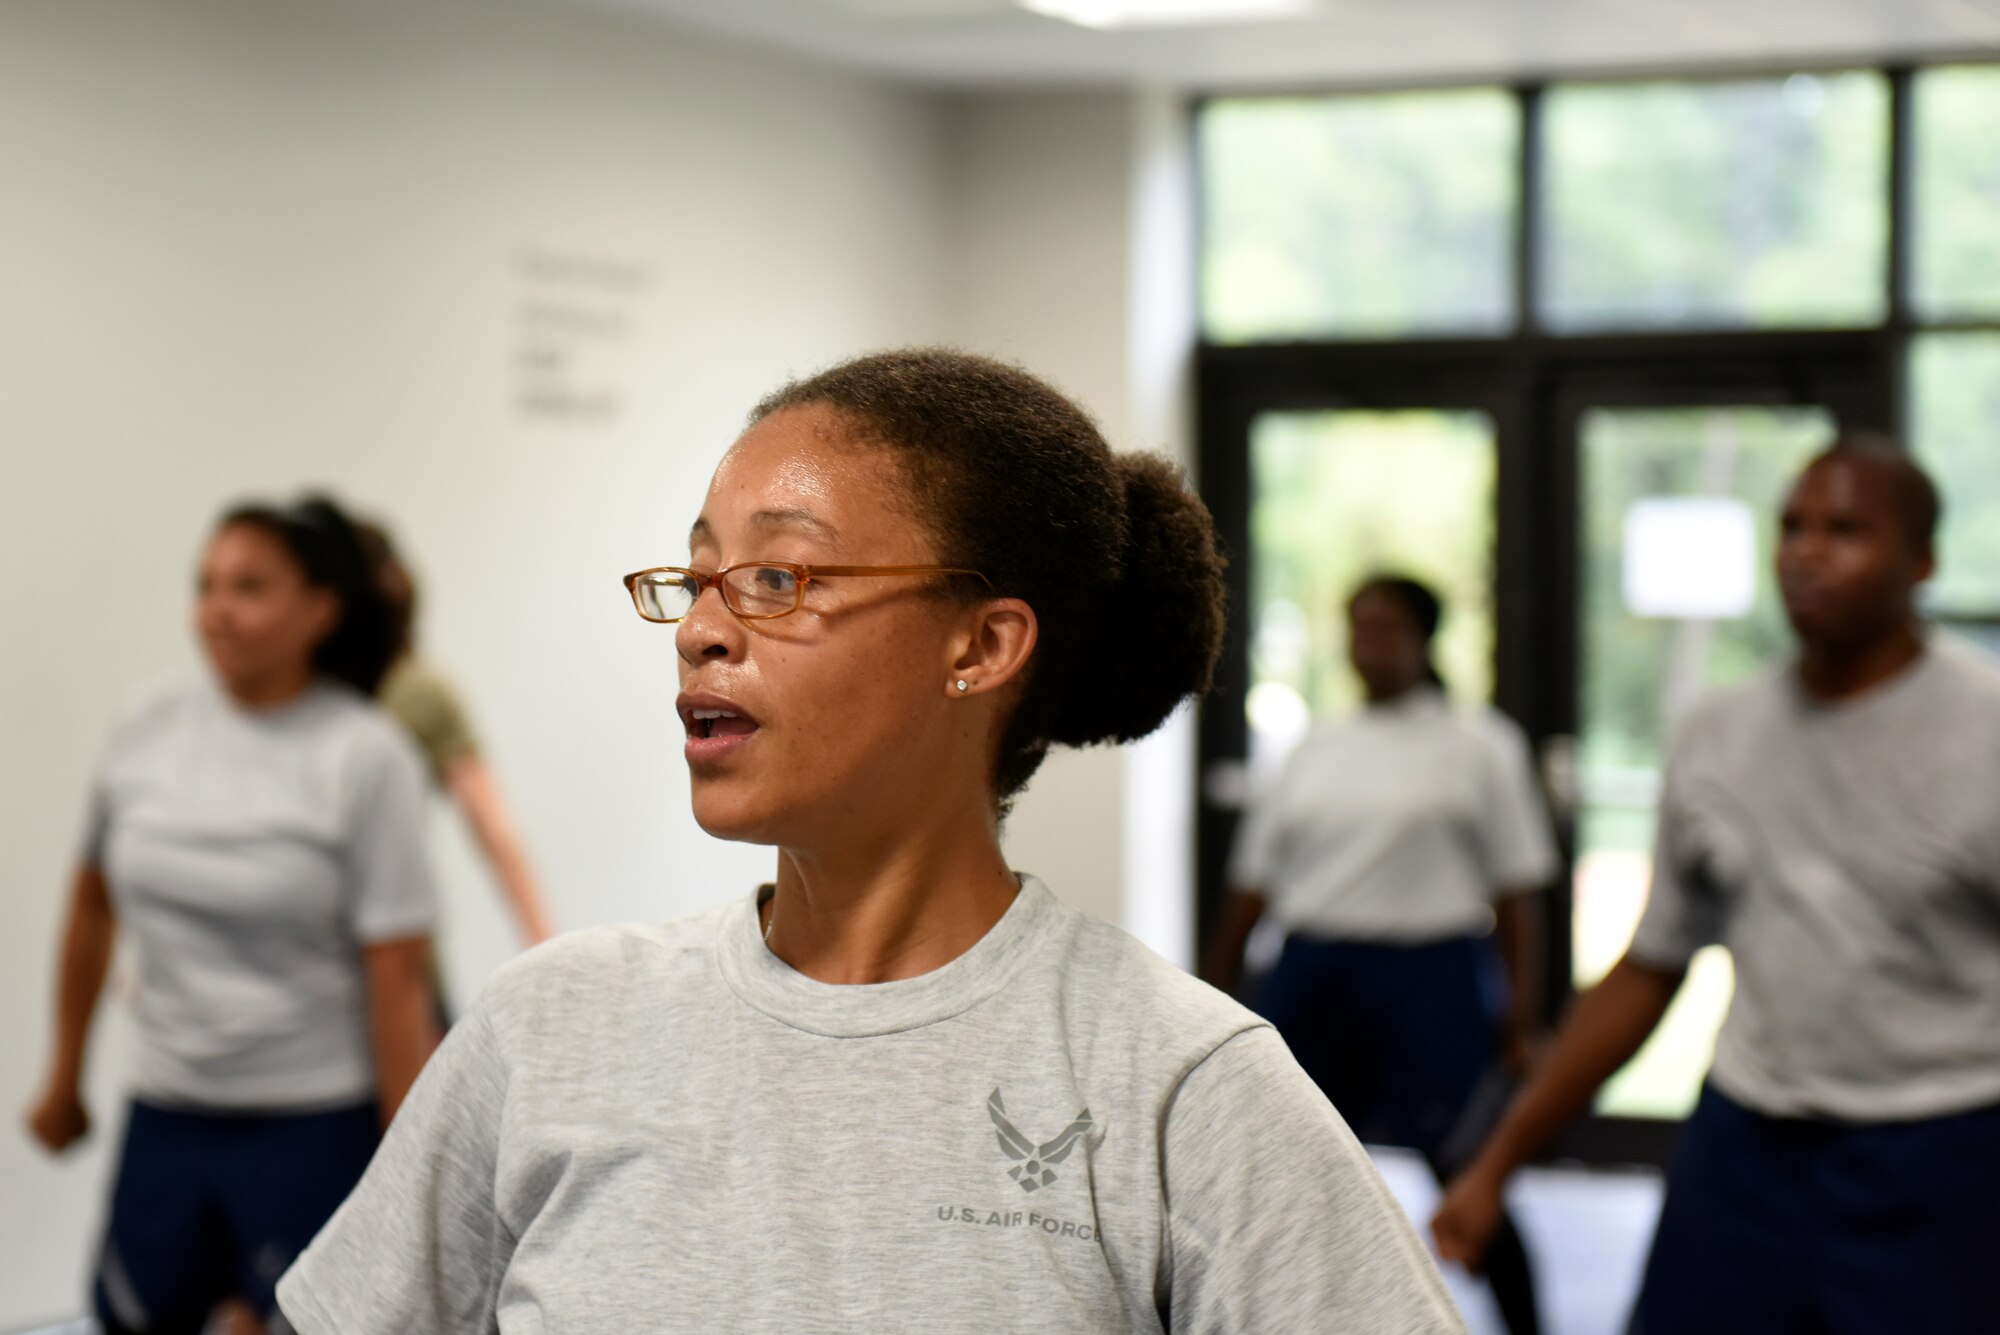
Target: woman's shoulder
336 700
1491 726
152 711
585 968
1487 729
1325 742
1117 985
358 725
160 698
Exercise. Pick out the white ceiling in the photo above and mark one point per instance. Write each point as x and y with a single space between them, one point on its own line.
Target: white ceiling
993 42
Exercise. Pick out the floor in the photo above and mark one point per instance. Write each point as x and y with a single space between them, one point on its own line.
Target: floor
1586 1231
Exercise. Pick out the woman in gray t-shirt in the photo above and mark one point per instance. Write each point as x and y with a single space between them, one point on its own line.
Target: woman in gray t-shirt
904 1087
257 836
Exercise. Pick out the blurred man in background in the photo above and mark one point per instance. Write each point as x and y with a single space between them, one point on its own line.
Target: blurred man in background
1833 823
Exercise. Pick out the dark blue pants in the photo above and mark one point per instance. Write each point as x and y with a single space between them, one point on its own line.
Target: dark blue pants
1827 1228
213 1205
1399 1036
1405 1041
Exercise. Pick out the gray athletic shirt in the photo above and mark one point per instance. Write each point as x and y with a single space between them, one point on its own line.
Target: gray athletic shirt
1848 854
667 1129
251 855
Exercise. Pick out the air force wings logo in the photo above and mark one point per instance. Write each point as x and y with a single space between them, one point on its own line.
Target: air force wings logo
1032 1169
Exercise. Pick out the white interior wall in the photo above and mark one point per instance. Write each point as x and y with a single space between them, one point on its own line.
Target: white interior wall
1161 315
250 247
1071 251
1037 215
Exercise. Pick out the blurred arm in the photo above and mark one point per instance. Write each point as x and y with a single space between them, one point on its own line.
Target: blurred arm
1517 923
1607 1025
90 931
477 793
1222 966
402 1016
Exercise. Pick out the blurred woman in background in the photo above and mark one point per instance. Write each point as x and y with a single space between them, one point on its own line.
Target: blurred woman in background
429 707
1392 846
257 835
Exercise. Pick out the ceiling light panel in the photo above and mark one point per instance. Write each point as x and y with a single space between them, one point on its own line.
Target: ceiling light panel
1168 13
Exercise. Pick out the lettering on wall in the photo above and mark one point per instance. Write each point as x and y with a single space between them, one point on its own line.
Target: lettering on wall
574 319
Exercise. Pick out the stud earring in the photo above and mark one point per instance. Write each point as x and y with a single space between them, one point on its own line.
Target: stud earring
962 685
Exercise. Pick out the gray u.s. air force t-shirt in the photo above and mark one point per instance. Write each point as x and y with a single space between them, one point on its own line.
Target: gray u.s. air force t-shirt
1848 854
668 1129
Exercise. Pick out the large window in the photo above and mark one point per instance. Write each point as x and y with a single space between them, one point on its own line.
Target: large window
1359 217
1954 417
1955 428
1956 252
1560 349
1704 205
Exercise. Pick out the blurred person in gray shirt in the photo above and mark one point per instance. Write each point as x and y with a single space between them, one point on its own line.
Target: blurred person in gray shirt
255 833
1834 824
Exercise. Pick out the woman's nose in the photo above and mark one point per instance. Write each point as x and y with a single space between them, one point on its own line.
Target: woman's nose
709 630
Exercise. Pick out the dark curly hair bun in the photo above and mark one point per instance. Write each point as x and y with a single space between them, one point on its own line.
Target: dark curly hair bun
1117 557
1161 629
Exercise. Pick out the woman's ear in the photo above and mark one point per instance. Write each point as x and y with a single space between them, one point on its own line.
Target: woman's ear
991 647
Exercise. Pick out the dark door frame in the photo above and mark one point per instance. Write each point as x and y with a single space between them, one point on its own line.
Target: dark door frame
1535 390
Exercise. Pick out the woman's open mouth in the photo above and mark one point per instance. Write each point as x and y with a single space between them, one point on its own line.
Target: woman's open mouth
712 723
715 727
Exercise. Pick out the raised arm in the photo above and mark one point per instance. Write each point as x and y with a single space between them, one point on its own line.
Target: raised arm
473 786
58 1118
1605 1027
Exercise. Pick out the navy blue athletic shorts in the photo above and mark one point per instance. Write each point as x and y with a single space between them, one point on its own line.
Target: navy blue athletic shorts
1400 1037
214 1205
1827 1228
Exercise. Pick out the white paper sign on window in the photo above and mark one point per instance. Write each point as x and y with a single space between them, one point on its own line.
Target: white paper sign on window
1690 557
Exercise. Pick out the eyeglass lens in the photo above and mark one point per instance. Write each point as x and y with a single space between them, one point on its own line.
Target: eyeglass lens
751 591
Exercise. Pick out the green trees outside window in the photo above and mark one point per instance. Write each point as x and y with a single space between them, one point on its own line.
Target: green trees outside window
1752 204
1358 217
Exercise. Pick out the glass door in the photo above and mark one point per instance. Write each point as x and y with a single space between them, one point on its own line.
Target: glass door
1338 495
1678 519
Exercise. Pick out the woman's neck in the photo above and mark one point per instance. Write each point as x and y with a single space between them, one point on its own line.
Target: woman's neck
904 904
1390 695
273 691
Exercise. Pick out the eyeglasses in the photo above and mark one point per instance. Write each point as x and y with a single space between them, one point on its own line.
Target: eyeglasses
754 591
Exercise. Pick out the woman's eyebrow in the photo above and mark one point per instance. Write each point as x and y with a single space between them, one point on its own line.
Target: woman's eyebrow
773 521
